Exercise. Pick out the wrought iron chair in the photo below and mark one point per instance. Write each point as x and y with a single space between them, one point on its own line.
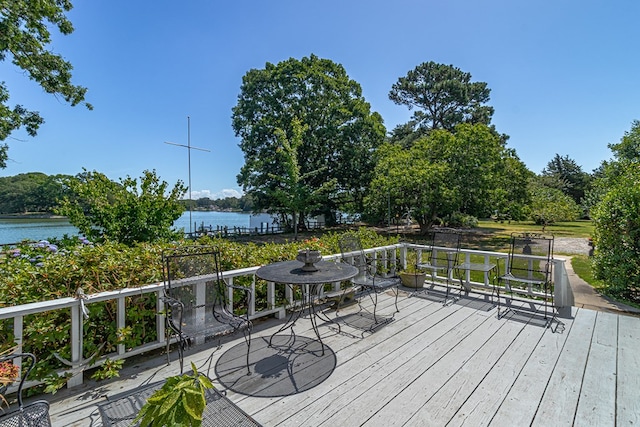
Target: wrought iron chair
367 280
442 257
528 270
34 414
196 299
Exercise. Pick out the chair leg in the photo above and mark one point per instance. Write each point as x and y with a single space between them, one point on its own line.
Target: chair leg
397 292
375 305
247 338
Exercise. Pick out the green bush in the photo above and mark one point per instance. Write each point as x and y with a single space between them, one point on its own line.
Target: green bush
616 219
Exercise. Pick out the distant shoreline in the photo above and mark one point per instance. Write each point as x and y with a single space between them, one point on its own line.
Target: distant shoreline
34 215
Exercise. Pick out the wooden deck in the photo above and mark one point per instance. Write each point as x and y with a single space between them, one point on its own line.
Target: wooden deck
432 365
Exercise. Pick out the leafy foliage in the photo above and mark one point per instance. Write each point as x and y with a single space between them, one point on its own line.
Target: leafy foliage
30 192
568 175
338 135
443 96
24 37
442 174
550 205
179 403
617 219
103 209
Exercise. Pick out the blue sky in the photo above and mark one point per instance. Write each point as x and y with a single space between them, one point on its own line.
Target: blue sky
564 76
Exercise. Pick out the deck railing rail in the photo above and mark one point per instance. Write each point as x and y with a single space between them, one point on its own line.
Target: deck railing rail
387 259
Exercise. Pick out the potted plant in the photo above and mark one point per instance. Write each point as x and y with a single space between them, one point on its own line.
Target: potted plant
179 403
411 276
9 372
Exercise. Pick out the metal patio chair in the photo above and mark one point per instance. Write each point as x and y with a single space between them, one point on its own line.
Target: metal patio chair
196 298
442 258
528 272
34 414
367 280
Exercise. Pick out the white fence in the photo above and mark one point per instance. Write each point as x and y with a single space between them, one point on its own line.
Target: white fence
387 258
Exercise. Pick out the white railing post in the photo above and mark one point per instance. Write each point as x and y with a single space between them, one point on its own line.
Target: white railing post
76 344
160 317
121 316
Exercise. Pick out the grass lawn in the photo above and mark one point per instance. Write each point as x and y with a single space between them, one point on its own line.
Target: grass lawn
582 228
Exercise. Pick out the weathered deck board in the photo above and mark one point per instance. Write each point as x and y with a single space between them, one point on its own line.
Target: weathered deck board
628 383
560 399
597 404
518 408
435 365
483 402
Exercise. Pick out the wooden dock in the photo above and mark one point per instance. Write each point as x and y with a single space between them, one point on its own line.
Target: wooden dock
433 365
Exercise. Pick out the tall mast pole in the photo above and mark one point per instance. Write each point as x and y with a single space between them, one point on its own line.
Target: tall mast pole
189 148
189 164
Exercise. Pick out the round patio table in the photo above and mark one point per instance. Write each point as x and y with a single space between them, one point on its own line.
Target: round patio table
291 274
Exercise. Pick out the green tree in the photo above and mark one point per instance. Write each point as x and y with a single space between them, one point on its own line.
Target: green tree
616 217
628 149
443 96
617 234
123 212
412 181
550 205
340 131
30 192
24 37
442 174
290 191
511 195
568 174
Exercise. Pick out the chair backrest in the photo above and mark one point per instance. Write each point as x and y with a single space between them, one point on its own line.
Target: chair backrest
197 263
539 268
12 366
352 252
445 248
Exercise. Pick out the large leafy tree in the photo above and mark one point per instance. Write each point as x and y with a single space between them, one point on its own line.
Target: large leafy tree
290 192
443 96
549 205
442 174
568 175
338 137
123 211
412 181
24 38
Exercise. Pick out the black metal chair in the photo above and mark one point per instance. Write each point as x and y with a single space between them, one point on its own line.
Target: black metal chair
367 280
34 414
442 258
528 272
197 301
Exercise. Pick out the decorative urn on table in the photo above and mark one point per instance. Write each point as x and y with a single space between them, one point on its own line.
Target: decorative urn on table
309 257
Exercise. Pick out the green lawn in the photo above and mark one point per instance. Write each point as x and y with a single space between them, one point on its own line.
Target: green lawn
582 228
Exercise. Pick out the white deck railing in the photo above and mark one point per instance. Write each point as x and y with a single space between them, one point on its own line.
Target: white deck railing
388 259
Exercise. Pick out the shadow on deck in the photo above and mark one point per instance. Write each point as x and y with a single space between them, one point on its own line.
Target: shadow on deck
431 365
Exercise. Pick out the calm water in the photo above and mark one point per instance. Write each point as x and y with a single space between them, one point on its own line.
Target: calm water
16 230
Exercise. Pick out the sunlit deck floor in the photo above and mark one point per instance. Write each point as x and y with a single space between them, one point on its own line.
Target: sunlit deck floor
432 365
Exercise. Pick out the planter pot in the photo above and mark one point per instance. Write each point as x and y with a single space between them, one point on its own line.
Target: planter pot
413 280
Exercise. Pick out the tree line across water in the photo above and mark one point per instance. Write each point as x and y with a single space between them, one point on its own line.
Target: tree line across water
38 193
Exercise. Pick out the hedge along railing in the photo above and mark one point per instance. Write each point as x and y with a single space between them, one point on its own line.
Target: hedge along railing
387 259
